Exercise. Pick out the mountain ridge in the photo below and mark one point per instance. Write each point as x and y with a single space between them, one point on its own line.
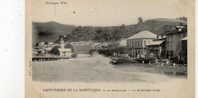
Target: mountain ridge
50 31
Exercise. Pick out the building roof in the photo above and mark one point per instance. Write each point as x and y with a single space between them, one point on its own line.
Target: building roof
143 34
68 45
178 29
185 38
155 43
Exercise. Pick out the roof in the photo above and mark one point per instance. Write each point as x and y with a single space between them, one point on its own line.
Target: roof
68 46
185 38
143 34
178 29
155 43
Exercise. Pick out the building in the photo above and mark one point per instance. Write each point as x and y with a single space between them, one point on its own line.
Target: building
123 42
63 49
138 42
155 48
184 53
82 47
174 45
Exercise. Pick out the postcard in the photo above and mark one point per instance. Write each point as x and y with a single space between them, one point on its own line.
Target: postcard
110 48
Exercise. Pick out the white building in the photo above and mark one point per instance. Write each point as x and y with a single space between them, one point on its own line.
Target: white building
138 42
123 42
65 49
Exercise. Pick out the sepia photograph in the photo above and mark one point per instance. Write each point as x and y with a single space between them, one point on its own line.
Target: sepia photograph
98 49
151 50
110 48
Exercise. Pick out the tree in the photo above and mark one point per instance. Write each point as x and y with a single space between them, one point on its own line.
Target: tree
140 20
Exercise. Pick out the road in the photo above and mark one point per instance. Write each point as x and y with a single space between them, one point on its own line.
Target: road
94 69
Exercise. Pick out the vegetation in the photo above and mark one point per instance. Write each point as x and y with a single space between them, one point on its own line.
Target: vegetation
51 31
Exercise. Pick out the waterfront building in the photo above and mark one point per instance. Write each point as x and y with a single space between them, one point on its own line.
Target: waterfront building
137 43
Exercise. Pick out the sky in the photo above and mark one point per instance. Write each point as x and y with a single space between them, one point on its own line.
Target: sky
106 12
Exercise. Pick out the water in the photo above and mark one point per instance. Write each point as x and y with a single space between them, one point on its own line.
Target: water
94 69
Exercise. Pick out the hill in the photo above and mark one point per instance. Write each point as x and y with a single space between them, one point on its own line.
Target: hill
50 31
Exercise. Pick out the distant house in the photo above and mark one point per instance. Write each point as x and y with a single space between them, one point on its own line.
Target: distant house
82 47
41 49
67 50
138 42
40 44
123 42
49 46
63 49
106 45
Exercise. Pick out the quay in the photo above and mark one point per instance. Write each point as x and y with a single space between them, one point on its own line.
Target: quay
48 58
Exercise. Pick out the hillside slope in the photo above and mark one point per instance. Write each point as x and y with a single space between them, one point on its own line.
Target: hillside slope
50 31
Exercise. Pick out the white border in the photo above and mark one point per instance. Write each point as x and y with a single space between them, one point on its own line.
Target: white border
12 48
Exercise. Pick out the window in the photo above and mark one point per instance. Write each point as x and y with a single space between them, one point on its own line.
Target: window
136 44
